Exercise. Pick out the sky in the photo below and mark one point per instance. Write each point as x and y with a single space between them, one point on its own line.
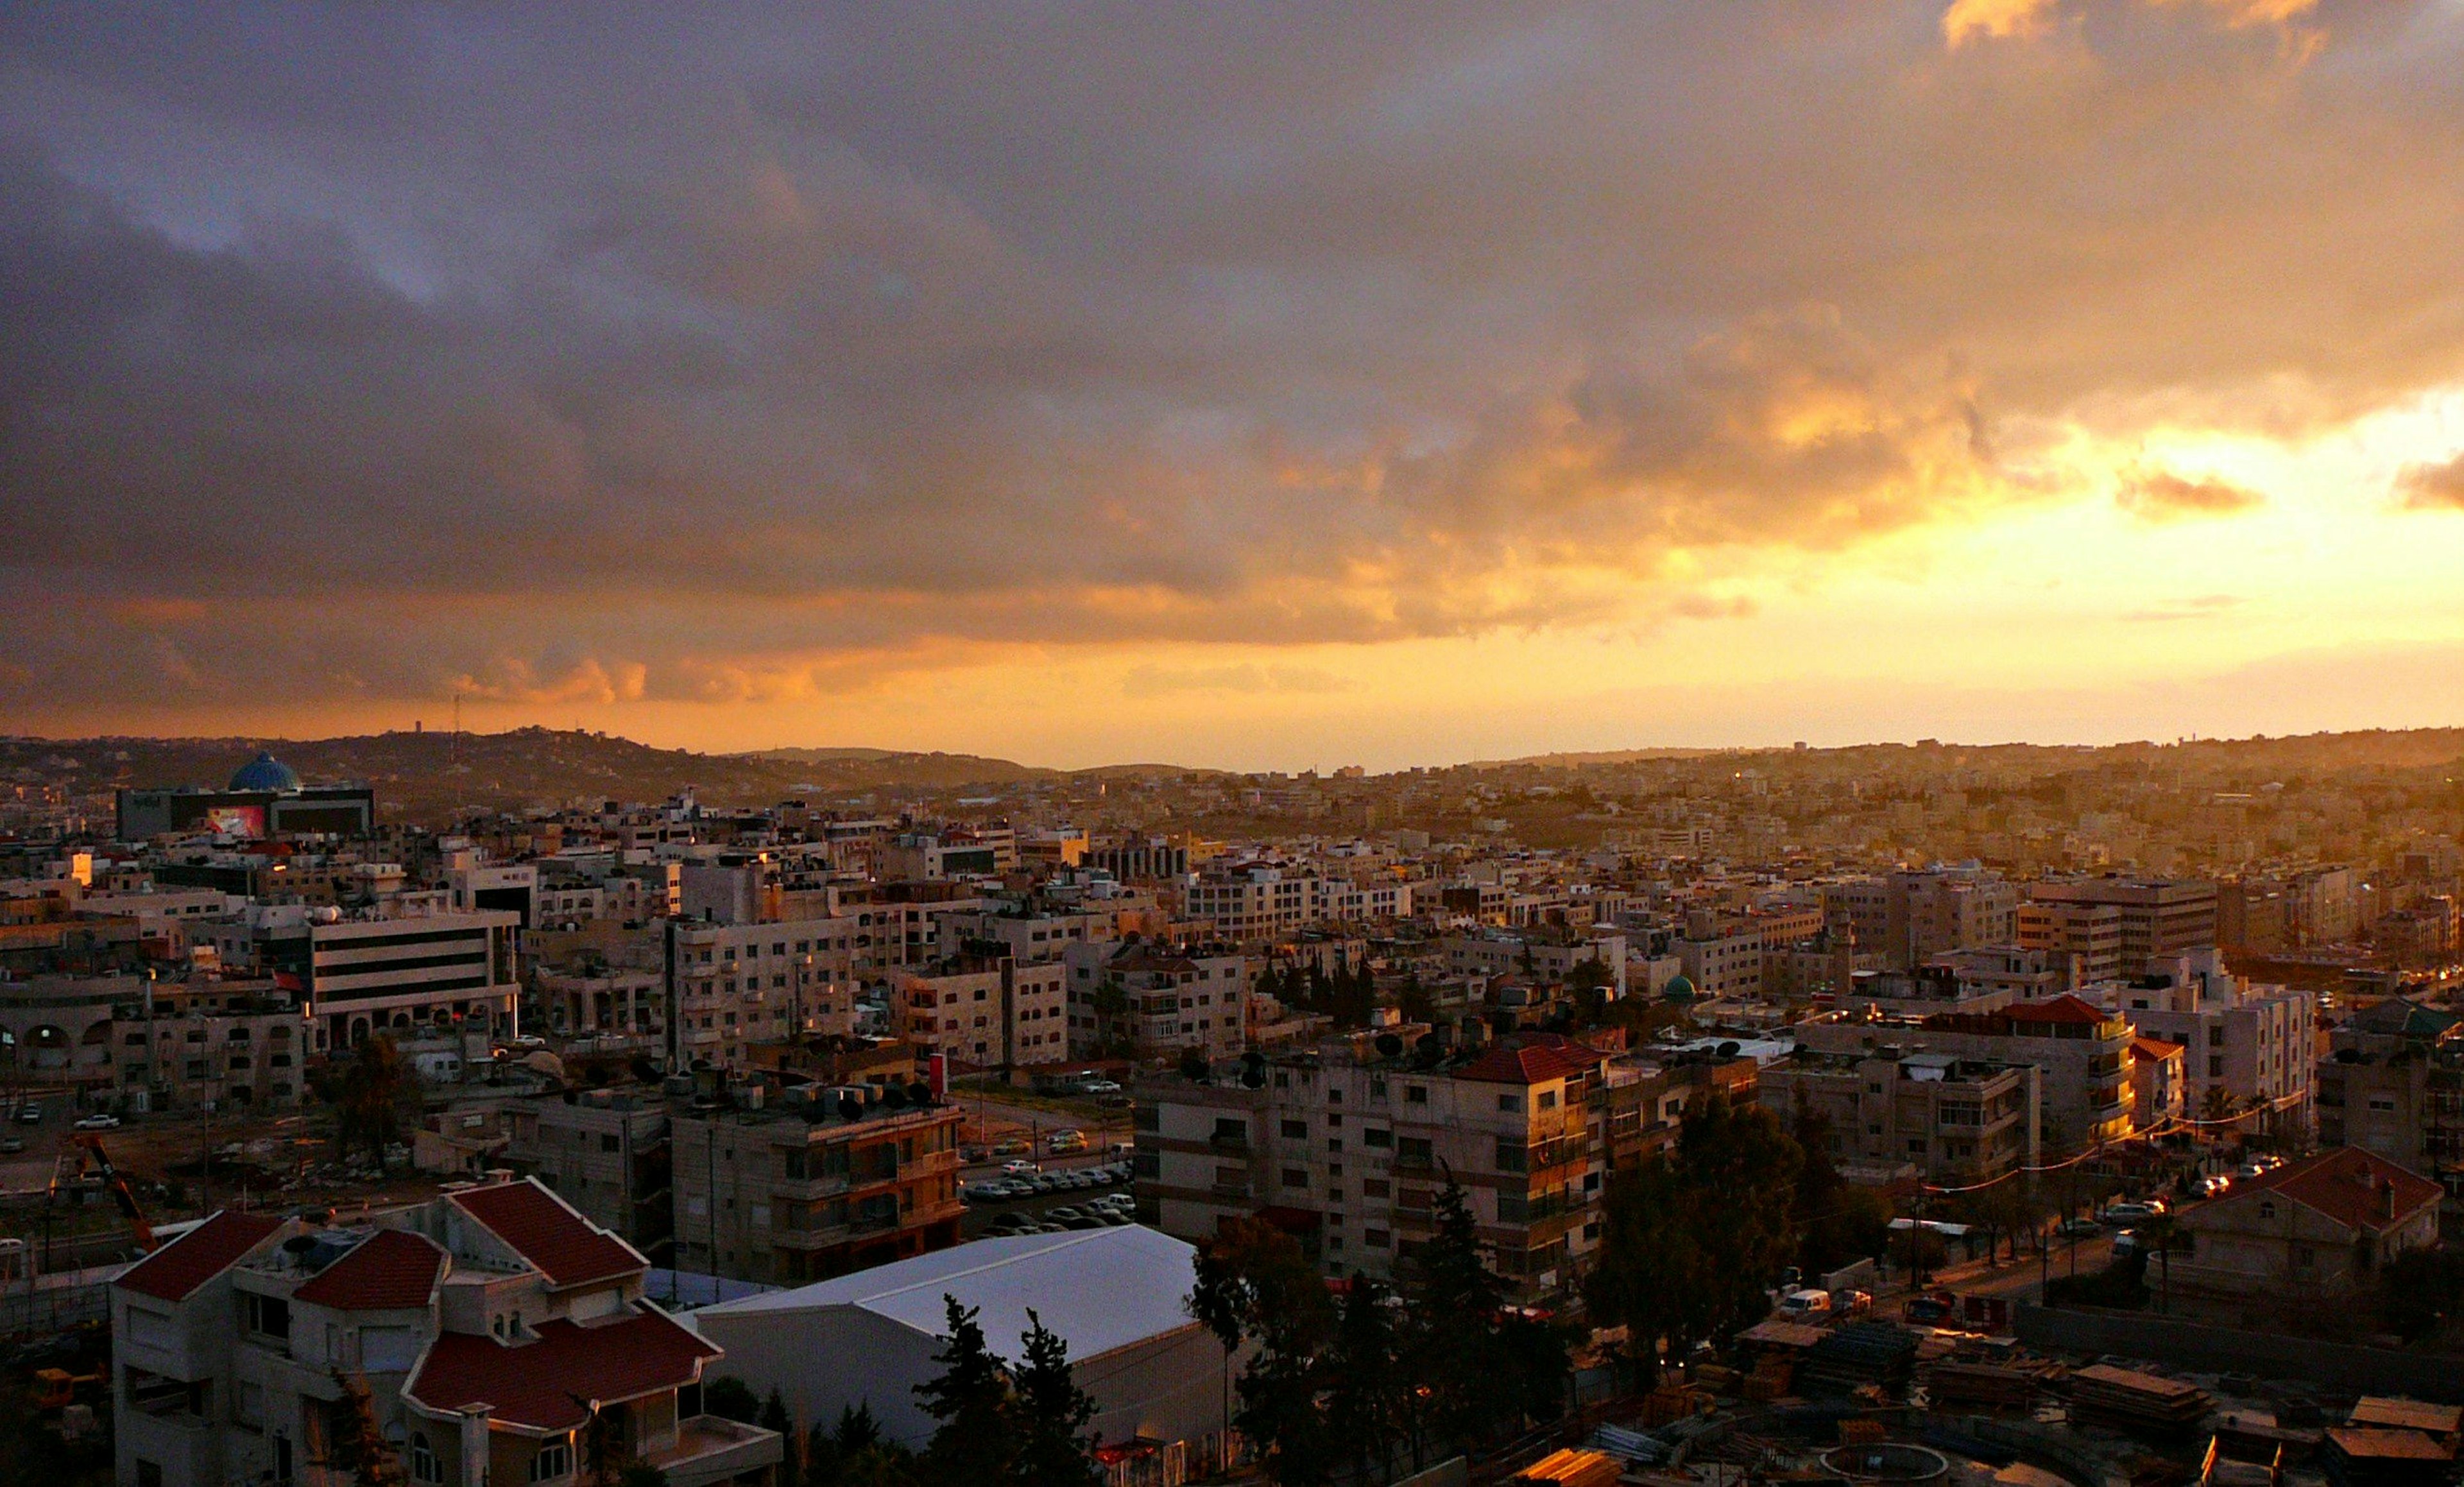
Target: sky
1256 385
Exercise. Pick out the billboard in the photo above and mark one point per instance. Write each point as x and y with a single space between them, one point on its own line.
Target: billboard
247 821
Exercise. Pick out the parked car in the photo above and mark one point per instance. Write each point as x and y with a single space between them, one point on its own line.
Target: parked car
12 1144
98 1122
30 1115
2211 1186
1851 1302
1805 1305
1099 1087
2124 1213
2078 1228
1925 1311
1122 1148
972 1153
1019 1169
1065 1140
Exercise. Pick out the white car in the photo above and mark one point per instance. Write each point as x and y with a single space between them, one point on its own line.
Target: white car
98 1122
1019 1169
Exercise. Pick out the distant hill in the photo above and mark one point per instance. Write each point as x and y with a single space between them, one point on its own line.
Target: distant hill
934 769
428 776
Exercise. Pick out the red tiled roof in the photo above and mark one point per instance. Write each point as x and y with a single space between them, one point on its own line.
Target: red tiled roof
2349 1184
1533 1059
391 1270
2154 1048
535 1383
567 1248
178 1268
2061 1008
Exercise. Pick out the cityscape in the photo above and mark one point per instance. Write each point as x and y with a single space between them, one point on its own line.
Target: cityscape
1026 746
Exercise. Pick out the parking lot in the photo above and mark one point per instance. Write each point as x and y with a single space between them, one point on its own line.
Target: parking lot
1063 1197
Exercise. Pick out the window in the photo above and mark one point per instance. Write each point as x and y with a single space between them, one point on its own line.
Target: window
266 1316
1414 1151
423 1465
1295 1177
1547 1099
2216 1066
554 1460
1297 1131
1511 1155
1416 1094
2267 1210
1376 1137
1512 1102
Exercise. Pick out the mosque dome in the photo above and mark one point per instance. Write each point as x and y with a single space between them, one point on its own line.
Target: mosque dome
1679 988
265 772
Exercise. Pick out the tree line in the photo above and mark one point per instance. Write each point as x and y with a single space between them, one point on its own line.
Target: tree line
1000 1423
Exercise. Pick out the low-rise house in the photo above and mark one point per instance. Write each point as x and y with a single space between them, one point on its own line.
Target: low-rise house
498 1336
2323 1225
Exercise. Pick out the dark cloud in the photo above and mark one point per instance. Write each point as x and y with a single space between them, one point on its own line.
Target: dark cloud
2162 496
620 356
2436 486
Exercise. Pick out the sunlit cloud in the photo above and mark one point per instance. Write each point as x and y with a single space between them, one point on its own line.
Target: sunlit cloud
2163 496
2432 486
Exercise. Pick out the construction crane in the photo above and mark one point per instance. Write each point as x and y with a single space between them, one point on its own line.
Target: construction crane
92 1158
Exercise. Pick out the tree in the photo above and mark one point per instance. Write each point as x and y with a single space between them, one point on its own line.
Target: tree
1417 1003
1051 1413
855 1454
1254 1284
1193 1064
2163 1234
367 1093
354 1445
1454 1300
1648 1272
774 1417
971 1399
1365 1391
1741 1170
731 1398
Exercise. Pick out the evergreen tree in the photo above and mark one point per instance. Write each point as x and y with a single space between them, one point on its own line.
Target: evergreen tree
1050 1413
1364 1405
1453 1302
774 1417
971 1399
1649 1265
731 1398
1742 1170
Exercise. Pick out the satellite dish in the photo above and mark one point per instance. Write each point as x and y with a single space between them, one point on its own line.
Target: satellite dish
1729 1050
1388 1045
850 1108
919 1092
1253 1078
894 1096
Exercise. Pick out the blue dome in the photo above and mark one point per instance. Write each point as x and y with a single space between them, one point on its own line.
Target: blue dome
265 772
1679 988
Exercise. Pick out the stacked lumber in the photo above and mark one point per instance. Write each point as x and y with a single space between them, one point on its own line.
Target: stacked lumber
1770 1379
1862 1431
1877 1356
1572 1467
1980 1384
1670 1402
2138 1401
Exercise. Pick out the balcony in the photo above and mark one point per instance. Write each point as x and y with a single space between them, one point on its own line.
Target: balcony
709 1450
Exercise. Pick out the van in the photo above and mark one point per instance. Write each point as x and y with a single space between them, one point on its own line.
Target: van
1805 1305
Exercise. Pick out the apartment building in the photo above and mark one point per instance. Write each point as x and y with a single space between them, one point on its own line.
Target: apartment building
2244 1047
1538 954
825 1181
997 1012
2089 934
1154 1002
1243 902
1905 918
604 1152
730 986
2083 1051
1347 1147
1954 1119
2158 918
1022 936
501 1336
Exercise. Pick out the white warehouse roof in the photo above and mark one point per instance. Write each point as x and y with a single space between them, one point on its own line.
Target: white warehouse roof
1100 1289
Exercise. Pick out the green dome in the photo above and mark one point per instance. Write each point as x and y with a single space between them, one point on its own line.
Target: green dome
1679 988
